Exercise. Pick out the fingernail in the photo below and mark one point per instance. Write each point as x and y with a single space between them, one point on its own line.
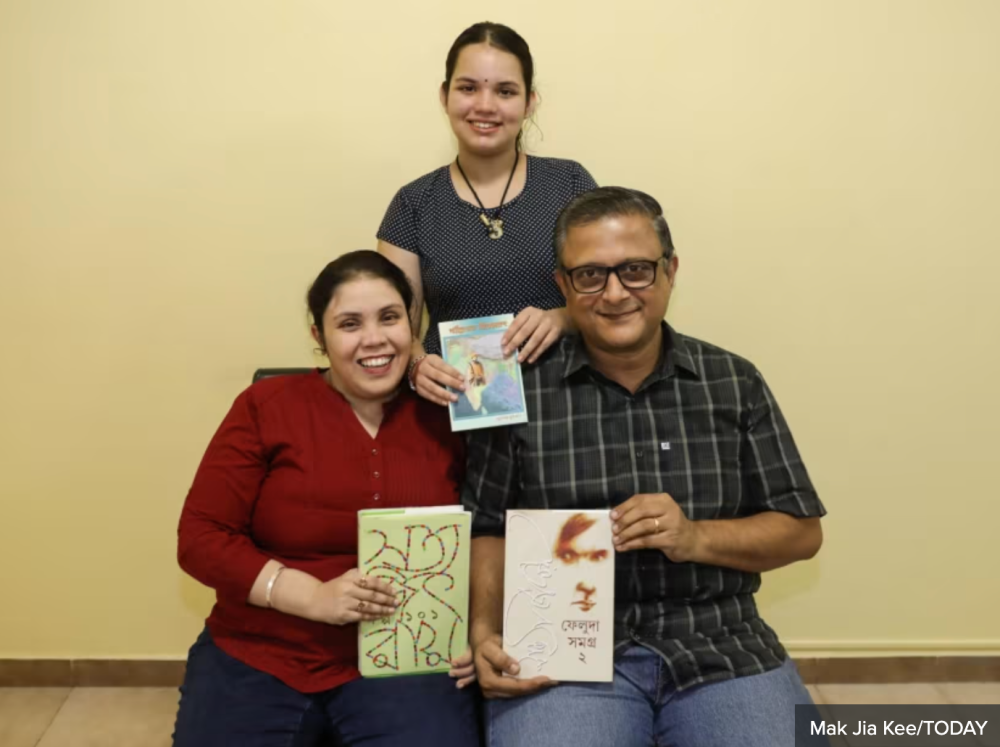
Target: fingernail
614 528
462 387
514 669
614 514
616 539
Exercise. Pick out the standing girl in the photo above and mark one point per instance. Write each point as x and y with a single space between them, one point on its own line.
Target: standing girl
475 237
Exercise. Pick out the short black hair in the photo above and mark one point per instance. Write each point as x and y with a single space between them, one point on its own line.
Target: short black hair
608 202
347 267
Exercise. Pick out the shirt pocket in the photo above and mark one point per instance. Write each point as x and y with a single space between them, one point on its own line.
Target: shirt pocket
700 468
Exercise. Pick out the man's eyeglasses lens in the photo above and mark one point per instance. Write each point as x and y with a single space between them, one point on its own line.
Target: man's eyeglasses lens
633 275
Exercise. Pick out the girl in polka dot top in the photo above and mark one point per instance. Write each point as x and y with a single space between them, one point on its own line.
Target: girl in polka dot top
475 237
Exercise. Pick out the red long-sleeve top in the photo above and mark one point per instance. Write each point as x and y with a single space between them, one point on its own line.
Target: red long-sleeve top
284 478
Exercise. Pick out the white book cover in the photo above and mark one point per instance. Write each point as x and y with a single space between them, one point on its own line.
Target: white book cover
494 389
559 594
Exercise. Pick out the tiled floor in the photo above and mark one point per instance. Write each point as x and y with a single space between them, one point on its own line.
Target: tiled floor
144 717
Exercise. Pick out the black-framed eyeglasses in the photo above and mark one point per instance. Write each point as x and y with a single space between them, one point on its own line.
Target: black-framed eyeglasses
635 274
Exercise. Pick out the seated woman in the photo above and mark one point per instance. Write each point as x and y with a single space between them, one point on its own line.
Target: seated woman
271 524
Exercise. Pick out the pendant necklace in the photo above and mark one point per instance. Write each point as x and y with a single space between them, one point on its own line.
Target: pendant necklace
494 226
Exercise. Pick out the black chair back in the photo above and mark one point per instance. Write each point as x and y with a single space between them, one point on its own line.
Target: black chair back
263 373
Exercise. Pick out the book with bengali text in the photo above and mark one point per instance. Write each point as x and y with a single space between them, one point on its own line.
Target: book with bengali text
559 594
494 387
424 553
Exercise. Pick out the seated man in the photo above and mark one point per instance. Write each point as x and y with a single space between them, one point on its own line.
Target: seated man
684 443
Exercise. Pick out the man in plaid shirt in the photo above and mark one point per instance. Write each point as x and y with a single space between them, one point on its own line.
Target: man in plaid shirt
685 445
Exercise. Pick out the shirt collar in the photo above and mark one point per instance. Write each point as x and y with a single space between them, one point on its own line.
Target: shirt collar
674 355
402 393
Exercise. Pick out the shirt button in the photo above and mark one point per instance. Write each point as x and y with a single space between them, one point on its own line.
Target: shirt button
376 475
639 453
374 452
377 496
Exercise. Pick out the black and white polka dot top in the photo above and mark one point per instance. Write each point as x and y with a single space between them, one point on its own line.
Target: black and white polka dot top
465 273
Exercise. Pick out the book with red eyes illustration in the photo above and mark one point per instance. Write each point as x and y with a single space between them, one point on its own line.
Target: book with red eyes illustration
424 554
559 587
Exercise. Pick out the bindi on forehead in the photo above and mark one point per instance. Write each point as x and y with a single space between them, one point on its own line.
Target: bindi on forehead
469 78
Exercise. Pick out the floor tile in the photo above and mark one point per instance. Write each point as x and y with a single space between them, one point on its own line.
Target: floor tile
114 717
26 712
893 694
897 694
972 693
975 693
144 717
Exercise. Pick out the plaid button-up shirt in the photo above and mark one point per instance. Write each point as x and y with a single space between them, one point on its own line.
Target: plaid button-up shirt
703 427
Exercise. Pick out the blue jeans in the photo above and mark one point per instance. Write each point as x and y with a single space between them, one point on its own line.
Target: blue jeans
225 702
641 708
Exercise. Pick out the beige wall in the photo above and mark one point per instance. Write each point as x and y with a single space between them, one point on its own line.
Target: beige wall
173 174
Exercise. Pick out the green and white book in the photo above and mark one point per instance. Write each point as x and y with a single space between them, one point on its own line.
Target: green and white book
424 553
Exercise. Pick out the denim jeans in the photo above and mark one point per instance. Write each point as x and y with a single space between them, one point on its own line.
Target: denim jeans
225 702
641 708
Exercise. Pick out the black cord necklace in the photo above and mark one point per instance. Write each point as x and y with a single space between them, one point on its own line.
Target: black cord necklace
494 226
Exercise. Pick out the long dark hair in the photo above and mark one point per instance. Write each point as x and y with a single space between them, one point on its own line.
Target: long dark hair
496 35
501 37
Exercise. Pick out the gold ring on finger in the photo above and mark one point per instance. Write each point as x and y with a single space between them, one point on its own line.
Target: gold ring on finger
656 524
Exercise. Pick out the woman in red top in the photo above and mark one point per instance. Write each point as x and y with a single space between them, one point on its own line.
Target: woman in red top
271 524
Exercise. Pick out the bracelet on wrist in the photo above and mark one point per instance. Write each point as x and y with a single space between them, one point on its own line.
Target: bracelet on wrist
412 373
270 586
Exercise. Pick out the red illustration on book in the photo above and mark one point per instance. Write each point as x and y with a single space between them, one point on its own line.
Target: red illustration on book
587 603
571 545
421 630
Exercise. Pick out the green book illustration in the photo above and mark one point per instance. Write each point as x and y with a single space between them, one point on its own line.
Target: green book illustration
424 554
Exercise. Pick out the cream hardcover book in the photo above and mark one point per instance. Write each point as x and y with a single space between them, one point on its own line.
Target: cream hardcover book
559 587
424 553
